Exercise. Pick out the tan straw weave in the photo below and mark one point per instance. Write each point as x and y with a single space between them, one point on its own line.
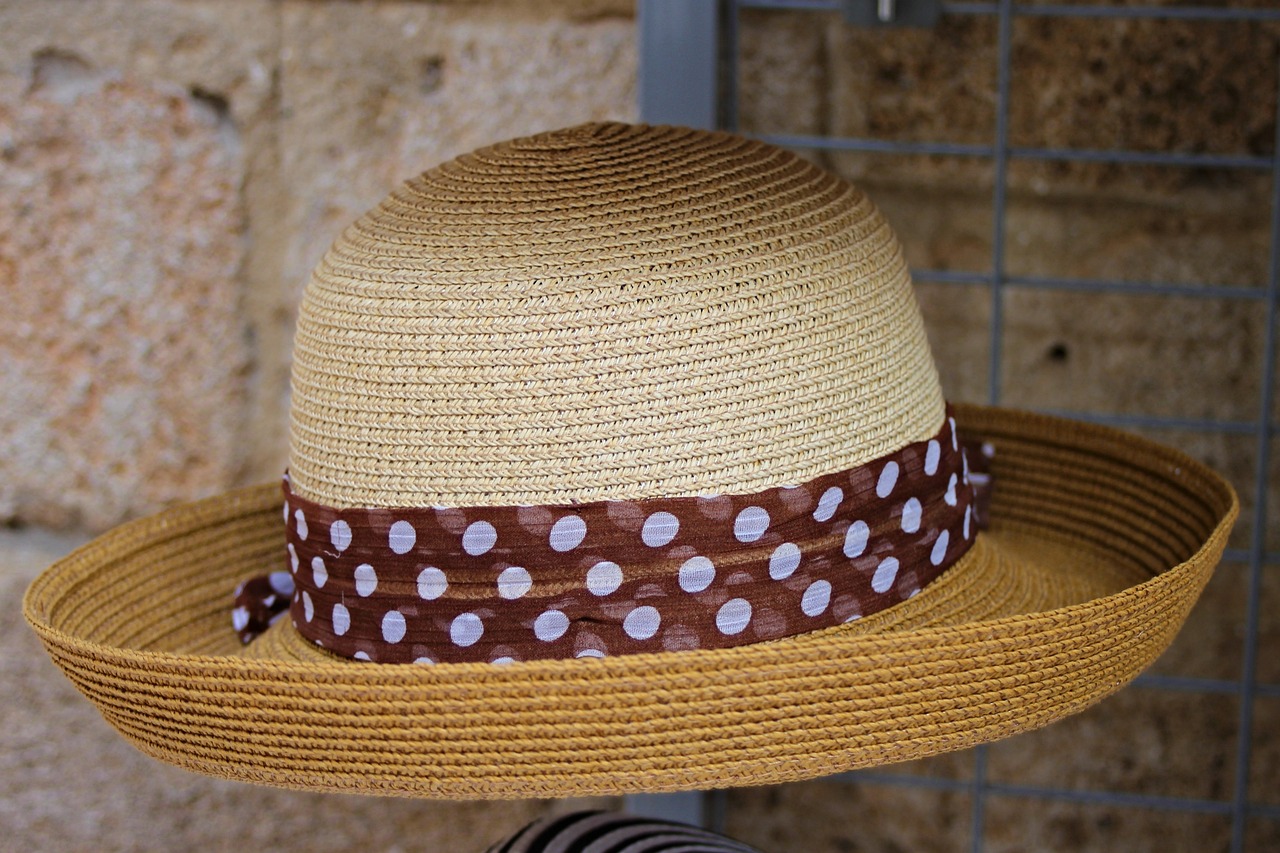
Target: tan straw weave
625 312
607 312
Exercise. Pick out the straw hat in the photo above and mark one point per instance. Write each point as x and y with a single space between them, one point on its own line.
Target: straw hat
621 453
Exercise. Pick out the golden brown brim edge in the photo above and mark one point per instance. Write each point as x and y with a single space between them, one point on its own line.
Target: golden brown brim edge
1071 499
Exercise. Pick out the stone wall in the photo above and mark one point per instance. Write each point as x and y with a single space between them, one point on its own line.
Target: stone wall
171 169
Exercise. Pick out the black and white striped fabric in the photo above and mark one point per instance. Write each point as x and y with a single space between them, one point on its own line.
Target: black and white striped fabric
610 832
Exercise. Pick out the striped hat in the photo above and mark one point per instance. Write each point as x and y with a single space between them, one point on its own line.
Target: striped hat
608 832
619 463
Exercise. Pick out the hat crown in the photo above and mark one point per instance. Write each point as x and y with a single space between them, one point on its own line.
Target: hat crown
606 312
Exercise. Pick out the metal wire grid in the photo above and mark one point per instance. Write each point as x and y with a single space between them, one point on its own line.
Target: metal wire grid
677 37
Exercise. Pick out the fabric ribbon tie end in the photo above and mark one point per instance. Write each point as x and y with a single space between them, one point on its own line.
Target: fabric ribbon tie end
259 602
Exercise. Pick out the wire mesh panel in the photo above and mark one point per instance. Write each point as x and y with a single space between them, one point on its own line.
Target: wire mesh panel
1088 197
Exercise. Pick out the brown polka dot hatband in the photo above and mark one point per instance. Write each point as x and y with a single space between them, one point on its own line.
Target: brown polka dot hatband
504 584
626 316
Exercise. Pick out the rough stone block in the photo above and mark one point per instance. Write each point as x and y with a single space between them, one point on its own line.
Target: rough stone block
1268 671
1017 824
1197 235
783 81
840 817
1264 759
1209 644
127 133
119 247
915 85
1272 543
1133 354
957 319
1262 835
1145 85
1140 740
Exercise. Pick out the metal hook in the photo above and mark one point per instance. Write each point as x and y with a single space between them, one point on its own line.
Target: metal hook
892 13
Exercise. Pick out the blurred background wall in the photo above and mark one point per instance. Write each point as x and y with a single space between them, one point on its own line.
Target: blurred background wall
170 170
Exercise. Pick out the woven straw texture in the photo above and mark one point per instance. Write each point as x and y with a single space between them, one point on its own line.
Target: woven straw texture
606 312
1100 544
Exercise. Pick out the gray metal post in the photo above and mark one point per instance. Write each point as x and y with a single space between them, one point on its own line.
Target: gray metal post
679 62
678 84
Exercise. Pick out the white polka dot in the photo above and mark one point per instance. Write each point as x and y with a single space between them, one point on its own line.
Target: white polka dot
855 539
425 660
642 623
750 524
240 618
885 574
939 551
364 656
514 582
828 503
281 582
551 625
308 609
816 598
911 516
784 560
302 524
293 558
950 496
589 653
478 538
888 479
366 580
341 619
659 529
955 443
567 533
604 577
968 513
340 535
696 574
431 583
503 661
402 537
932 454
286 508
466 629
319 572
733 616
393 626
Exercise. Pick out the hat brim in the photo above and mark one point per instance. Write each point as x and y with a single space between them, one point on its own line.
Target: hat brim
1099 544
